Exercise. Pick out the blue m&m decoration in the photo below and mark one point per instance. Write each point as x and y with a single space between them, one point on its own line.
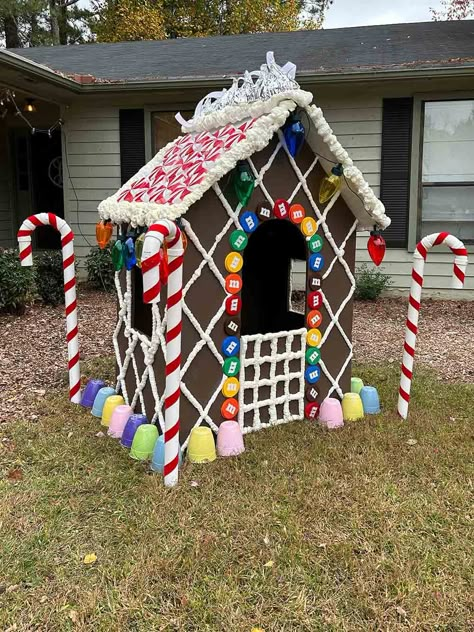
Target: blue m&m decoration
316 262
249 221
230 346
312 374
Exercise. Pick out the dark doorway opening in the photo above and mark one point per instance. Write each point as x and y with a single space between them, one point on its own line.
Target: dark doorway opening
266 292
46 168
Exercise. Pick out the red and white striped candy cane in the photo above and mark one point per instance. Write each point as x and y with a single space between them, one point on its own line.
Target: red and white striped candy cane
67 247
419 258
166 230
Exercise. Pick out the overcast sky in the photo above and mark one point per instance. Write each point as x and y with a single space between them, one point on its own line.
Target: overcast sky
361 12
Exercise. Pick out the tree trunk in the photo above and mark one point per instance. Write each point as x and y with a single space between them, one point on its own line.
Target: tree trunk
54 22
62 23
12 36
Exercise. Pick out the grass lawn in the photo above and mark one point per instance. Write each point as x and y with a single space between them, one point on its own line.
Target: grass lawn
359 529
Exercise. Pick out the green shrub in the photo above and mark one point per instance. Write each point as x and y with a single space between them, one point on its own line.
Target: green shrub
16 283
48 267
370 283
100 271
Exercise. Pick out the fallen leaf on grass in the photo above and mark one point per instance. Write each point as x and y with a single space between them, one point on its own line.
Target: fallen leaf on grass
412 442
194 484
12 588
15 475
72 614
90 558
269 564
257 630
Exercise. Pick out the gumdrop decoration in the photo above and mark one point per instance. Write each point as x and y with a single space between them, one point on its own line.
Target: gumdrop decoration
244 182
376 247
103 233
331 184
294 134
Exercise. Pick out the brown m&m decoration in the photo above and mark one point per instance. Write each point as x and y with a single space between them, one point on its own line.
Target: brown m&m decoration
281 209
232 326
311 394
264 211
314 281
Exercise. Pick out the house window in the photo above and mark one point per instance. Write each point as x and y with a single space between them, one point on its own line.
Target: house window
448 169
166 128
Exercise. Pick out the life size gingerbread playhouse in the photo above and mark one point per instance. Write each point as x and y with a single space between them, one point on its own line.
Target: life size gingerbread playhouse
243 184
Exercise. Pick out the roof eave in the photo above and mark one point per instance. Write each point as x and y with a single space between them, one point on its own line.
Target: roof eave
304 79
29 67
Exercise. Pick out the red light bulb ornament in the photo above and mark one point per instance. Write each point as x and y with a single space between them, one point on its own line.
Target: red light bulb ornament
376 247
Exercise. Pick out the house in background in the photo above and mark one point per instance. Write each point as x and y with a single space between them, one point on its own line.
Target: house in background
399 97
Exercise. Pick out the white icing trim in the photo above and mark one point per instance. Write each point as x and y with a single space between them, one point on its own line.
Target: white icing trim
372 204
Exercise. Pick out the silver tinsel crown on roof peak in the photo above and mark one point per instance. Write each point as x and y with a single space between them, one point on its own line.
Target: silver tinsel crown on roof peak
257 85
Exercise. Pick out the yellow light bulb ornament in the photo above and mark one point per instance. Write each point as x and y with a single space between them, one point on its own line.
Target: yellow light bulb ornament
139 248
331 184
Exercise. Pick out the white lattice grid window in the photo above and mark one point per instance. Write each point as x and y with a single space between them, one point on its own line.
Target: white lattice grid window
277 363
157 342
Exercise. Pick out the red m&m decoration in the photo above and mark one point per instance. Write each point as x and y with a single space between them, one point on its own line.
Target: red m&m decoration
311 410
281 209
315 300
233 305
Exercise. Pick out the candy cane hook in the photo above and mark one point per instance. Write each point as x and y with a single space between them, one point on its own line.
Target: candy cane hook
67 247
167 231
459 274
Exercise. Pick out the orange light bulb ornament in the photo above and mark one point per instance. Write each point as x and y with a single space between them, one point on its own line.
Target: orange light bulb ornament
331 184
103 233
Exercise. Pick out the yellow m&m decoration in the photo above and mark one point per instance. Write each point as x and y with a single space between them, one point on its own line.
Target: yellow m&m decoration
233 262
309 226
313 337
231 387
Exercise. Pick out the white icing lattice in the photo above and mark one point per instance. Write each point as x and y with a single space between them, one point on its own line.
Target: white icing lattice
282 375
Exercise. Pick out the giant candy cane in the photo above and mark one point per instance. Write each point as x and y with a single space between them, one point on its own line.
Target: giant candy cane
67 247
419 258
166 230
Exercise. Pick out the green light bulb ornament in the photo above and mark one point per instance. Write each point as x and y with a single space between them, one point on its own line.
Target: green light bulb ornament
117 255
244 182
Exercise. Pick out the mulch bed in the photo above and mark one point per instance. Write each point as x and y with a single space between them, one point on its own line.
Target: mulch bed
33 357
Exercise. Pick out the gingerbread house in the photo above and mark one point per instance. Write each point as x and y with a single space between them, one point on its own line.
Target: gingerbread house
243 183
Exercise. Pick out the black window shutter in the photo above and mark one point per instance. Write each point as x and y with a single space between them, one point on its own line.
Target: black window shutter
395 170
132 142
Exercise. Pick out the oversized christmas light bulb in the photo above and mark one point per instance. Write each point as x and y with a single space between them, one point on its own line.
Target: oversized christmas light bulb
294 134
244 182
331 184
376 247
103 233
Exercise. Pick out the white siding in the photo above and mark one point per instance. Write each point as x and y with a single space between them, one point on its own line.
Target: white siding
93 157
91 169
6 219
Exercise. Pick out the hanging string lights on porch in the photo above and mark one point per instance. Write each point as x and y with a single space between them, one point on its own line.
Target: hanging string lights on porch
7 101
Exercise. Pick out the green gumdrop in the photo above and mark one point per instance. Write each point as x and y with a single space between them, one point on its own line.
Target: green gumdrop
117 255
313 356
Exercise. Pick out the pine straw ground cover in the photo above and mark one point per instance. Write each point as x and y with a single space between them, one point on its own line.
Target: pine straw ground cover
368 528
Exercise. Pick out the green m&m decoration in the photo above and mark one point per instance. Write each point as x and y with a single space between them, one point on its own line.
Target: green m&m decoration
313 356
231 366
315 243
238 240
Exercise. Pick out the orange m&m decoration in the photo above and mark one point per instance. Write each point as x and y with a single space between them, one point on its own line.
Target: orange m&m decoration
297 213
233 283
230 408
314 318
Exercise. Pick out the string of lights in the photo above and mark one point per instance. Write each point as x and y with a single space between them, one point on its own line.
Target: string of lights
7 98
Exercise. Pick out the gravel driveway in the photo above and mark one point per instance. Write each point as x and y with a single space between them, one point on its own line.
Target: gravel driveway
33 349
